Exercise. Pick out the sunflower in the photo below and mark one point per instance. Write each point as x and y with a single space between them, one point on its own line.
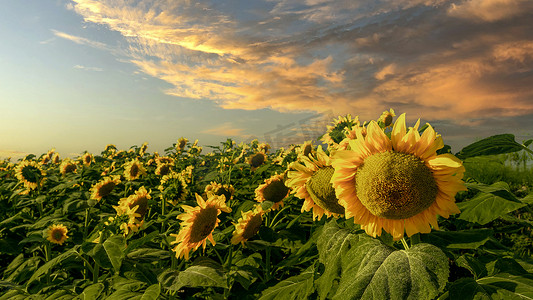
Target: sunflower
305 149
57 234
87 159
126 219
336 132
221 189
263 147
67 166
173 188
187 173
55 158
135 206
310 179
45 158
133 169
182 142
163 169
198 224
256 160
399 183
29 173
385 120
143 148
273 190
248 225
104 187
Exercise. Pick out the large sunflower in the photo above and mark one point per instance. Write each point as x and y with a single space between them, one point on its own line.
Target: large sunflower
198 224
173 188
397 184
273 190
133 169
104 187
182 142
30 174
310 179
248 225
57 234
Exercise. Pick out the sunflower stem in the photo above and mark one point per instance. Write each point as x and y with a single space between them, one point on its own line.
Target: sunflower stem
96 270
267 265
405 246
86 224
47 254
415 239
163 223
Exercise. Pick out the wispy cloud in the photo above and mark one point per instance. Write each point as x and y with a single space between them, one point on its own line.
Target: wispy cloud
95 69
226 130
80 40
435 58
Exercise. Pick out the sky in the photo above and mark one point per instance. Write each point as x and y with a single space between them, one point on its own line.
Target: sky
78 75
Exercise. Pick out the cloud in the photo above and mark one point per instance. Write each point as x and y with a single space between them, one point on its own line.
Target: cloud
225 130
95 69
80 40
433 58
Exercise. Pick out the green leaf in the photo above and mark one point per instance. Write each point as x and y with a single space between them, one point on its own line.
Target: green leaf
114 247
499 188
484 208
469 262
502 286
152 292
461 239
527 143
52 263
496 144
295 287
141 241
206 273
364 268
92 291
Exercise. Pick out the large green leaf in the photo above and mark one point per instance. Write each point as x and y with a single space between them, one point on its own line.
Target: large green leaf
114 247
152 292
205 273
461 239
485 207
53 262
496 144
367 269
295 287
502 286
499 188
92 292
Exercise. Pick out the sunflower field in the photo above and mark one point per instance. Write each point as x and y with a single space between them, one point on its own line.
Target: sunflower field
373 210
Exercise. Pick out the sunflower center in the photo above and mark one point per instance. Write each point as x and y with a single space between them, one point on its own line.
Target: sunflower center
388 120
164 170
322 192
70 168
307 150
395 185
134 170
57 234
31 174
257 160
252 227
275 191
204 224
106 189
142 201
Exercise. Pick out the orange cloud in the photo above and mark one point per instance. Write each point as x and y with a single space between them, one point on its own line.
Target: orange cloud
225 130
432 58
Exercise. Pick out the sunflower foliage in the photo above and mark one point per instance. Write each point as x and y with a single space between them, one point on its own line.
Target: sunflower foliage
243 220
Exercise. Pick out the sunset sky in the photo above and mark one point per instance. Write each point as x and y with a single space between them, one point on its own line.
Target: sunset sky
77 75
